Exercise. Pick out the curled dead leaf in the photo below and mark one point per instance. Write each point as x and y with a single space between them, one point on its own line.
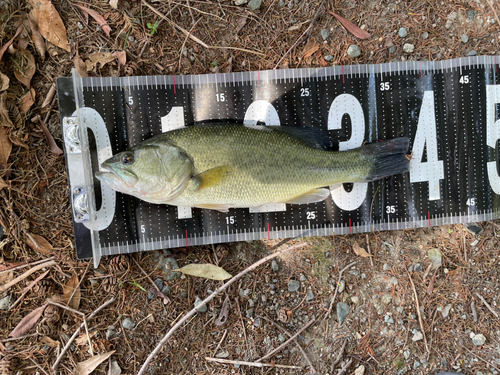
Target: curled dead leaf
48 341
86 367
26 68
5 146
122 58
27 101
224 313
16 141
352 28
35 34
68 289
7 45
241 22
38 243
50 96
4 113
83 339
50 23
358 250
50 140
80 66
206 270
28 322
310 47
100 19
101 58
4 82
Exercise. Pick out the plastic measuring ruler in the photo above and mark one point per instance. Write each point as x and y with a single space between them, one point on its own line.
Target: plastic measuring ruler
449 109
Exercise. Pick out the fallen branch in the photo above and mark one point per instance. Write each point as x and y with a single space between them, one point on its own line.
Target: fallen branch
419 315
26 265
28 288
487 304
165 338
337 288
253 364
6 286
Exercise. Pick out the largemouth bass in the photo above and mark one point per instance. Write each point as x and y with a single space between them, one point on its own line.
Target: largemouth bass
222 166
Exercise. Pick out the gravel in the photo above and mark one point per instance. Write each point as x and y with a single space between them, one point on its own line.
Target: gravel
5 303
302 278
325 34
282 337
464 38
342 311
159 284
255 4
425 35
110 332
402 32
436 258
275 266
388 319
353 51
197 302
327 58
293 285
478 340
471 53
128 323
115 368
309 295
245 292
408 48
341 286
417 335
240 2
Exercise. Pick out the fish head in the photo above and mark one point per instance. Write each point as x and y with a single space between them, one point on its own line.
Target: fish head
155 172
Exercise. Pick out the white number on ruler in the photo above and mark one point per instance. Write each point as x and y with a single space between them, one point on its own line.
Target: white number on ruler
471 202
432 170
130 100
385 86
464 80
230 220
143 228
348 104
221 97
390 209
492 133
304 91
311 215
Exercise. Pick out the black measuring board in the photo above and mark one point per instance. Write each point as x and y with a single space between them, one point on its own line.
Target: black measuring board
450 110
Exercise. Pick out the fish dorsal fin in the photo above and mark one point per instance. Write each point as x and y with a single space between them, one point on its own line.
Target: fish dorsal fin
313 137
216 207
212 177
313 196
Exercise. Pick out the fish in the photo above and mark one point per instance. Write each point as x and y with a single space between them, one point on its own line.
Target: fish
219 166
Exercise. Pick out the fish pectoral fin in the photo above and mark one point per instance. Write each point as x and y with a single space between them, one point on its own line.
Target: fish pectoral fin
313 196
212 177
216 207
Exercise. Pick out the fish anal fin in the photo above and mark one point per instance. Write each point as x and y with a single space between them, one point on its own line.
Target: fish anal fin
313 196
216 207
212 177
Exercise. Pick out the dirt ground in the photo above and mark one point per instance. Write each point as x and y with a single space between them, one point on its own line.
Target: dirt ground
405 317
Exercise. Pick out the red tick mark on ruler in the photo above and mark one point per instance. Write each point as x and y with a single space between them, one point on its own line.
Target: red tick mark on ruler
187 244
174 84
429 216
268 233
421 73
343 81
495 63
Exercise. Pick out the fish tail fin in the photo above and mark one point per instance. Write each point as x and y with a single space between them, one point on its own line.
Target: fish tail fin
389 158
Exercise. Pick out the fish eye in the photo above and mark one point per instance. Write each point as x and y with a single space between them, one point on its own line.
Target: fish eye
127 159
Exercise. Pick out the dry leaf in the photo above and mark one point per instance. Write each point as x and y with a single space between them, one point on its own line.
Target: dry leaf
5 146
31 22
4 114
86 367
2 183
28 322
18 142
27 101
50 96
68 289
224 312
50 140
122 58
101 58
7 45
28 67
48 341
241 22
113 4
83 340
207 271
4 82
100 19
360 251
38 243
356 31
50 23
80 66
311 47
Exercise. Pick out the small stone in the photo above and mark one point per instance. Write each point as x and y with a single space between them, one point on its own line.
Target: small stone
115 368
110 332
240 2
386 267
251 302
80 25
402 32
408 48
172 265
5 303
392 50
325 34
159 284
282 337
282 3
293 285
471 53
478 340
342 311
400 309
425 35
406 354
263 298
197 302
245 292
417 336
394 281
416 364
254 4
275 266
328 58
131 39
166 290
327 254
474 243
386 298
388 319
470 15
302 278
418 267
341 286
464 38
446 311
435 257
360 370
128 323
353 51
354 272
309 295
257 323
249 313
355 299
222 354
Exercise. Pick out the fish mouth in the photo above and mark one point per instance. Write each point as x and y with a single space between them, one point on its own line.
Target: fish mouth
116 178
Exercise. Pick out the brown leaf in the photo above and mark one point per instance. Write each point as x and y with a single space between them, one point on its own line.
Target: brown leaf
4 114
38 243
241 22
27 101
18 142
50 96
4 82
50 23
311 47
5 146
86 367
50 140
122 58
100 19
80 66
83 340
68 289
224 313
356 31
360 251
48 341
7 45
101 58
2 183
28 322
28 68
37 37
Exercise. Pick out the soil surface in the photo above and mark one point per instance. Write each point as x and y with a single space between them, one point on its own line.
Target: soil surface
426 301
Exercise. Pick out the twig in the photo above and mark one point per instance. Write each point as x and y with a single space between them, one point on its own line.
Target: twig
474 312
253 364
78 286
294 45
38 267
494 11
185 40
339 357
243 326
418 313
150 279
77 332
484 360
344 369
294 340
486 304
28 288
19 338
287 341
208 299
368 248
337 288
27 265
220 342
197 40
